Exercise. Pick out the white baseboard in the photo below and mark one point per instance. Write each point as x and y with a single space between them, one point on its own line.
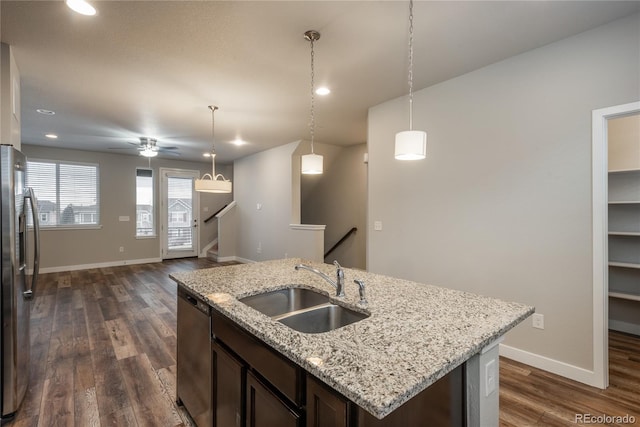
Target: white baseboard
97 265
203 253
620 326
557 367
240 259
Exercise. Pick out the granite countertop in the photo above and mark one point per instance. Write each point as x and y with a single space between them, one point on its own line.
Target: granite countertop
415 334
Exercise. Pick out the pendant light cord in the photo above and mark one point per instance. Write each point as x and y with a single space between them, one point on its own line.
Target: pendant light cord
312 119
410 64
213 109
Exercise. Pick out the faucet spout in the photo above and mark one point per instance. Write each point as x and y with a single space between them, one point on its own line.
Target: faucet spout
338 283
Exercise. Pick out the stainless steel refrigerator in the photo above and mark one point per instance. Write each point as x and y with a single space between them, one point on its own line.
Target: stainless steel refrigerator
18 285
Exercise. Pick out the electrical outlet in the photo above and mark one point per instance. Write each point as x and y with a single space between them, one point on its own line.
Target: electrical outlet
121 248
538 320
377 225
490 377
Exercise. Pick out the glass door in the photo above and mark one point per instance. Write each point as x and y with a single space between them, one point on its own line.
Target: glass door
179 231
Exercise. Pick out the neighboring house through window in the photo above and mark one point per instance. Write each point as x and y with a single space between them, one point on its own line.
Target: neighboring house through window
145 208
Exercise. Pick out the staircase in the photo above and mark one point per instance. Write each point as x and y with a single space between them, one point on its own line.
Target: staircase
212 253
223 248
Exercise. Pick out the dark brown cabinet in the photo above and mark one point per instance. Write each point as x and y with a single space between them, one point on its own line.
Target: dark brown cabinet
325 408
265 409
227 388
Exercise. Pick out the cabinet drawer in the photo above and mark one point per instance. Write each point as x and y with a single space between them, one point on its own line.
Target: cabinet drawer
280 372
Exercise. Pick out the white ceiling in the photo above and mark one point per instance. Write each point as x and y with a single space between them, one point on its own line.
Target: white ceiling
151 68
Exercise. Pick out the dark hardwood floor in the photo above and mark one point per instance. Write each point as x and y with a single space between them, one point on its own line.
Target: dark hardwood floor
531 397
104 354
104 348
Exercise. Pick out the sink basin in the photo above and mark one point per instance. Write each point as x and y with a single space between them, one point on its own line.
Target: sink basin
322 319
303 310
276 303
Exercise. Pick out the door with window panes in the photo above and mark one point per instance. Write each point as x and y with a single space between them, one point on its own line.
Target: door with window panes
179 213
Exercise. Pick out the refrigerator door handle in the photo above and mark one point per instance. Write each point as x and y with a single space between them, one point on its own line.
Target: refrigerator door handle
28 293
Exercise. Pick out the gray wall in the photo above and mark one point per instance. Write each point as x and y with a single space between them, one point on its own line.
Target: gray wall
117 197
338 199
10 99
264 178
502 204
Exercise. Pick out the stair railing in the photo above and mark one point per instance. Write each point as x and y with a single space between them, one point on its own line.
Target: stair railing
341 241
214 215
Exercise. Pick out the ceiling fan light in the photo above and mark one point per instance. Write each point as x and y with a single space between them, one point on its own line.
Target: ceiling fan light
81 7
411 145
311 164
148 152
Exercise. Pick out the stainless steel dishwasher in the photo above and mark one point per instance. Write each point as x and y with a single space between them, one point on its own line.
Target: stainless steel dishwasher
194 376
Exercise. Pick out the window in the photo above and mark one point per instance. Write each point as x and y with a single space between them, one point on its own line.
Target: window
145 213
179 217
67 193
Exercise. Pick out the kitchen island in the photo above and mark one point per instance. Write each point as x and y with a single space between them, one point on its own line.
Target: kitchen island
414 335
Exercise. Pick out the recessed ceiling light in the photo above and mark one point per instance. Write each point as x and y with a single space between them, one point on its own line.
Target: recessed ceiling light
238 142
206 154
51 136
45 112
323 90
81 6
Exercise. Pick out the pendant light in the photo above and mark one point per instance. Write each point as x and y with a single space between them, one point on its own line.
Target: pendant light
210 182
411 144
312 163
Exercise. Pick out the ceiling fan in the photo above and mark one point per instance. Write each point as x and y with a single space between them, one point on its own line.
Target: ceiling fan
148 147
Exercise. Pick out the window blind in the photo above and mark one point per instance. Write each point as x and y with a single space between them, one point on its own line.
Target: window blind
67 193
145 209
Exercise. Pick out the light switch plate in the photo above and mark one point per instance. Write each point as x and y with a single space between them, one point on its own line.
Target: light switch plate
377 225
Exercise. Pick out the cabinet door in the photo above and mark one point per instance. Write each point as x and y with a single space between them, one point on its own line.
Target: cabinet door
324 407
227 388
265 409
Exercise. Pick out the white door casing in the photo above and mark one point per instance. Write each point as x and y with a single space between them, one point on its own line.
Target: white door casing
179 213
600 178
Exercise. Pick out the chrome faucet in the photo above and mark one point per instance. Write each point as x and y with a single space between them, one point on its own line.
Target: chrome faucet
361 290
338 283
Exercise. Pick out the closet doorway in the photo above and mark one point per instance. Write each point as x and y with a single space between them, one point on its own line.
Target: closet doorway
616 228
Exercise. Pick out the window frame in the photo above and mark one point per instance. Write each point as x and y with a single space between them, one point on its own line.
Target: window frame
152 214
58 226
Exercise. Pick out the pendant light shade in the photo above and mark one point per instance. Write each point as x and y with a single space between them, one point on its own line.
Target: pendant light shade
212 183
312 163
411 144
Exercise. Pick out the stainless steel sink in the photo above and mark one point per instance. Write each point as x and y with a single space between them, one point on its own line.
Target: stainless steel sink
303 310
283 301
322 319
